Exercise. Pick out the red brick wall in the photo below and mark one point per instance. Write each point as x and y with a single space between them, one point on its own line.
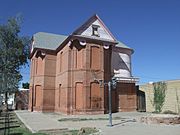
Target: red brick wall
81 66
42 82
66 82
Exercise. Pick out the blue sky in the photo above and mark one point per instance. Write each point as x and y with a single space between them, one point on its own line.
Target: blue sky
150 27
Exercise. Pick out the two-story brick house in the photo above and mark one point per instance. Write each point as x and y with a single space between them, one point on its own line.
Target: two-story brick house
65 70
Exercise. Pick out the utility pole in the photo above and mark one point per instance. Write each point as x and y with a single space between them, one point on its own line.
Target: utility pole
110 104
111 84
32 94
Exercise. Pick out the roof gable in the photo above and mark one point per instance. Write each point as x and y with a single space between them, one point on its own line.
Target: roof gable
53 42
87 29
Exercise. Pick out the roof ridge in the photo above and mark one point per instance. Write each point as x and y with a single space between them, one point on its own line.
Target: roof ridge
50 34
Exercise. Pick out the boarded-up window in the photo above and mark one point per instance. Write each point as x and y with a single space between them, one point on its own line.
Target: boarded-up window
95 96
79 96
36 66
34 96
30 95
60 62
31 69
38 96
95 58
59 103
79 58
39 66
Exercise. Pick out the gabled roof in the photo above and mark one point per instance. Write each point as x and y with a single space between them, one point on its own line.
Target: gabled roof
51 41
47 40
85 29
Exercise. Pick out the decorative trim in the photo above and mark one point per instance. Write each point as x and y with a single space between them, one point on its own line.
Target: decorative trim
69 43
82 42
106 45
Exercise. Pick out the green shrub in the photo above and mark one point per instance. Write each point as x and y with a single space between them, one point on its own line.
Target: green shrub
159 89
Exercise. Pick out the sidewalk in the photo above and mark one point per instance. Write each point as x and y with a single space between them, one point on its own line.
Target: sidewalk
126 125
35 121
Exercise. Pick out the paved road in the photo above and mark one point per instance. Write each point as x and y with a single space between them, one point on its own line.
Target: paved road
127 125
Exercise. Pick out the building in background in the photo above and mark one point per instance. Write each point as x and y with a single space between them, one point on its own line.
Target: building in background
22 99
10 101
172 98
65 71
16 100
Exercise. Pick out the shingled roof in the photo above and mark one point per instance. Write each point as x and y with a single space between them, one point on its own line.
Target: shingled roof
47 40
122 45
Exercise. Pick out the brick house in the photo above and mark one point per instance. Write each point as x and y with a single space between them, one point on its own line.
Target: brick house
65 70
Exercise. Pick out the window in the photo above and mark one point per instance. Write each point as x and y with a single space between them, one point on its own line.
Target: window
79 96
32 68
95 30
59 95
38 96
60 62
39 66
95 96
95 58
79 58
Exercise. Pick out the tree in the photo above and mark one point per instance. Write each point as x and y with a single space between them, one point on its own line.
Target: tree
14 51
159 95
178 102
25 85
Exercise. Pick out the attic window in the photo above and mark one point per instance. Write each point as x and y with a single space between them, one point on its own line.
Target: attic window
95 30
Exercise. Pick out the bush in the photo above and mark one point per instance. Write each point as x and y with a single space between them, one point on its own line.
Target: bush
159 95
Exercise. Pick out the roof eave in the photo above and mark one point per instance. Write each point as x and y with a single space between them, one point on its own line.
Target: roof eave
130 49
97 39
63 43
42 49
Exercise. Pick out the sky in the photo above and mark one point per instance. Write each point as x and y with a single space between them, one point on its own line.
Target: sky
150 27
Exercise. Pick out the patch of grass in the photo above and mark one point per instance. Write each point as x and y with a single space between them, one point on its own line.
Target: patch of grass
74 119
16 126
82 131
71 132
87 119
23 131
